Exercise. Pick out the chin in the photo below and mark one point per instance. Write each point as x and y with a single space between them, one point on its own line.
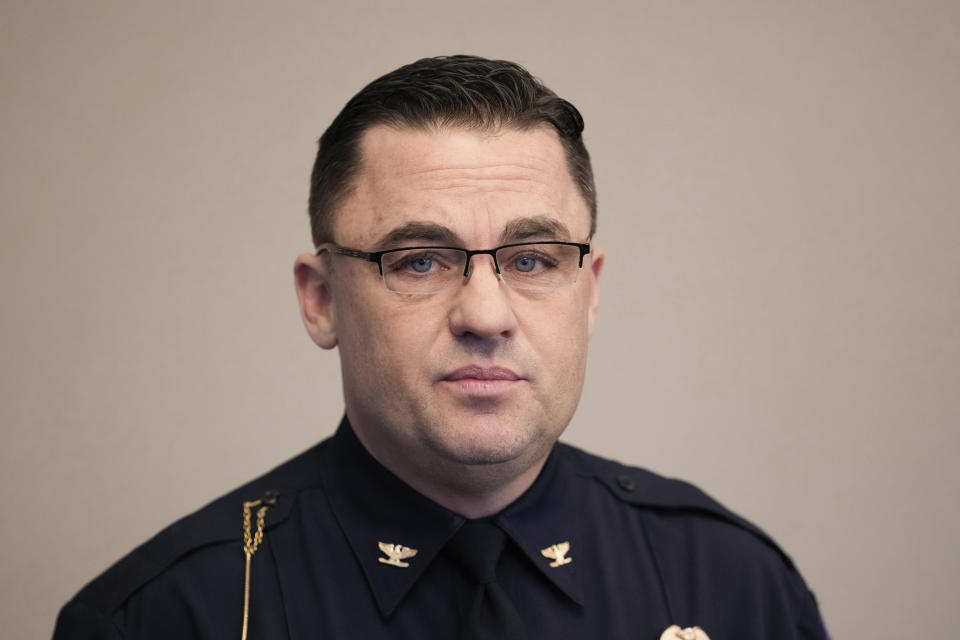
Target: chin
483 457
488 442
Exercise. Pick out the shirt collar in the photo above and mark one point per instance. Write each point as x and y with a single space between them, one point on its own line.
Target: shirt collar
548 514
373 506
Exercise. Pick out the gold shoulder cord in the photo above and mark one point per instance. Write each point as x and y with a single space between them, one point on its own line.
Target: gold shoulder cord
250 544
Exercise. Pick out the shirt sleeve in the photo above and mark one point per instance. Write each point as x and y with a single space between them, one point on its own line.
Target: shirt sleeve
810 625
78 621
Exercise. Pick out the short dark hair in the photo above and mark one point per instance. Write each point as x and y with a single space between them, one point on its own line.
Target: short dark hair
462 91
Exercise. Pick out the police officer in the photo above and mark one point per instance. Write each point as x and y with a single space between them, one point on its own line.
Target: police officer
452 207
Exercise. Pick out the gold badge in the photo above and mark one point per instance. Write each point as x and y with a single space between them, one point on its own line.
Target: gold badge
397 552
557 553
690 633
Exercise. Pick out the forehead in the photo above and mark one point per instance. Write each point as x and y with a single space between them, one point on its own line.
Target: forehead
473 182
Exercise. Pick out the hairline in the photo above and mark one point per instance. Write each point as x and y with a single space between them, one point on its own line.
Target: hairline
439 125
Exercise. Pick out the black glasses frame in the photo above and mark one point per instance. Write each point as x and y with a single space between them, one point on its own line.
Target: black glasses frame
377 256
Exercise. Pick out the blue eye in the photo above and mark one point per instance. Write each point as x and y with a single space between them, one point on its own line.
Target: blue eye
525 264
421 264
415 263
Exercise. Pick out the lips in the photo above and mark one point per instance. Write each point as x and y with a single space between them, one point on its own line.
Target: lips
481 373
484 385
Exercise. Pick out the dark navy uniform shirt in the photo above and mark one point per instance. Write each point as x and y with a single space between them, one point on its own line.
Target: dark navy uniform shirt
645 553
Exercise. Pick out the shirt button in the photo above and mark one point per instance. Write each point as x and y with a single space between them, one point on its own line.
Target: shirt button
626 482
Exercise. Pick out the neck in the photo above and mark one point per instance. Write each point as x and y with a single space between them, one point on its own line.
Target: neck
471 490
482 491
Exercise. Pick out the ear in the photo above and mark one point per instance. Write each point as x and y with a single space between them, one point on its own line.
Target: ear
596 266
312 279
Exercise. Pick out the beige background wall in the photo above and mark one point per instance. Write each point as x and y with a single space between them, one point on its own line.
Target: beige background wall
781 307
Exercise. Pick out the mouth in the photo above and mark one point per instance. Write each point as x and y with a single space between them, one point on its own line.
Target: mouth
474 372
478 381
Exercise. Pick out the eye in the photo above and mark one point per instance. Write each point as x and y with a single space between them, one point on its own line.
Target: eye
416 262
421 264
531 261
525 264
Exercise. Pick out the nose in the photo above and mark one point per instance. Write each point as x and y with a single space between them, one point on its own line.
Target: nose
482 306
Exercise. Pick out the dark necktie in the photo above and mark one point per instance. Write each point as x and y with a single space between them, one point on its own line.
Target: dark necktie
490 615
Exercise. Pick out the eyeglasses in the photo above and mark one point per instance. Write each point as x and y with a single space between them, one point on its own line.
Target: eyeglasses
534 266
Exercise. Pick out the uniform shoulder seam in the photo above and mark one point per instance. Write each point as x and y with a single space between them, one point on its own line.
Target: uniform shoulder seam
647 490
217 522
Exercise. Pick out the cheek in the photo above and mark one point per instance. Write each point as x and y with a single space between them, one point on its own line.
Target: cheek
388 344
361 340
558 333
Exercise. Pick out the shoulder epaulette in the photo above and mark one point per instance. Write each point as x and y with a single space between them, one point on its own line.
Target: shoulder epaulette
218 522
649 490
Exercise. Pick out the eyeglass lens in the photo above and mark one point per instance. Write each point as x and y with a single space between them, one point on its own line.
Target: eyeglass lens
529 266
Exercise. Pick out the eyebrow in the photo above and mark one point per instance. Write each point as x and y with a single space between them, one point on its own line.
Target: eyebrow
429 232
540 227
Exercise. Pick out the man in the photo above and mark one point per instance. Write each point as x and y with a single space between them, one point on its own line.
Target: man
452 207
